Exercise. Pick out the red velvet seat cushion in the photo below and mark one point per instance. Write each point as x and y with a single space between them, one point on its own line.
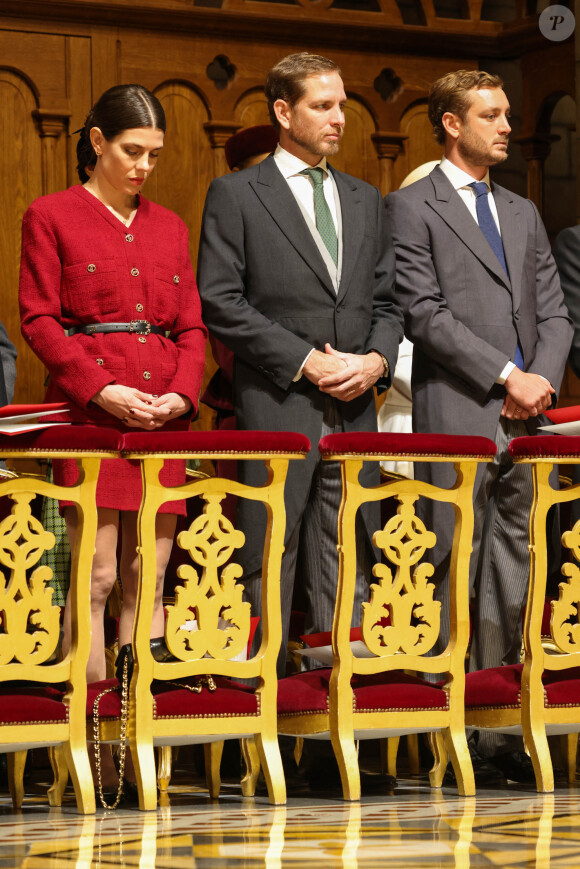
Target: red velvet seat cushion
385 444
546 446
215 442
230 699
308 693
562 688
89 438
109 704
31 704
500 687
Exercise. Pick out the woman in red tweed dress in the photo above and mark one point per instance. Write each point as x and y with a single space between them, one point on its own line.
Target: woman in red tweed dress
97 255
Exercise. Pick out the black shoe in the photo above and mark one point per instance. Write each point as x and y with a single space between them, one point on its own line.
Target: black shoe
323 775
130 793
516 766
484 771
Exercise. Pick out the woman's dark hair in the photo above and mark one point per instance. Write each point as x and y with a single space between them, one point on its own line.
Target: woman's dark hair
123 107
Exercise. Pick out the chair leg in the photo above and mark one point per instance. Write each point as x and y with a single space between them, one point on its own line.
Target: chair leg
252 763
79 767
389 750
455 744
213 758
269 752
298 749
412 754
143 757
164 767
571 755
15 762
440 758
536 743
347 759
57 758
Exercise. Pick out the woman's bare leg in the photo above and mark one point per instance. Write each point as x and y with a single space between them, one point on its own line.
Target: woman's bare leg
129 568
103 576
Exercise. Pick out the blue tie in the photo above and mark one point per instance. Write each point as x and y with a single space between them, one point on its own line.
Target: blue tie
489 228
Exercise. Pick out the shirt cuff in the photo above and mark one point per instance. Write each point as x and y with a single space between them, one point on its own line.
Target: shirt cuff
509 367
298 374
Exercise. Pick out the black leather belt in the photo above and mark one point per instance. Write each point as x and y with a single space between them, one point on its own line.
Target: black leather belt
137 327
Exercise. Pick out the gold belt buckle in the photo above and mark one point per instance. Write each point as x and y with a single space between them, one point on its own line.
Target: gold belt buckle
136 323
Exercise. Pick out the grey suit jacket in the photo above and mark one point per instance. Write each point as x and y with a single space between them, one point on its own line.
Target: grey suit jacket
266 293
463 314
567 256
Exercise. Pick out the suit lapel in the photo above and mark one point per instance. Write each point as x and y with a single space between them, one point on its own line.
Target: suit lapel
448 204
276 196
352 208
513 233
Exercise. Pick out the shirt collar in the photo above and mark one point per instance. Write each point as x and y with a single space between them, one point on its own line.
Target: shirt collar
458 177
290 165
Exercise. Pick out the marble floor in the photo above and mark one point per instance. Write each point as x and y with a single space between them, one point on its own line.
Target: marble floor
412 826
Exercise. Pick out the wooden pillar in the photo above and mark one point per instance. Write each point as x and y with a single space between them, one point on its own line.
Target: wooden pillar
218 133
536 149
51 124
388 147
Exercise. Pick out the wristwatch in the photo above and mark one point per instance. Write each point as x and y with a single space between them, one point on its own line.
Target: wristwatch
385 364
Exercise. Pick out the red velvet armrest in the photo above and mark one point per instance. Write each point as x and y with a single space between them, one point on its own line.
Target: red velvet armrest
385 444
59 439
215 443
545 446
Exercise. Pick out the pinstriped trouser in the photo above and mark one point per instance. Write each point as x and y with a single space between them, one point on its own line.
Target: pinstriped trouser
311 556
502 570
499 567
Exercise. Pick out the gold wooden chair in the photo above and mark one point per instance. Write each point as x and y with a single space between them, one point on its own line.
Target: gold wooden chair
196 697
43 698
540 697
366 693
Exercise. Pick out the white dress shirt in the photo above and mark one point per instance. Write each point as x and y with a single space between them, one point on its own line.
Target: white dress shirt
301 185
461 181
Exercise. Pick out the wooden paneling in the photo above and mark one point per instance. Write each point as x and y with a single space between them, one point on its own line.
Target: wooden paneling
419 146
185 167
252 109
20 183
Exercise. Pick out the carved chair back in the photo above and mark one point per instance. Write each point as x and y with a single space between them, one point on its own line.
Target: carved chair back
368 691
42 695
196 695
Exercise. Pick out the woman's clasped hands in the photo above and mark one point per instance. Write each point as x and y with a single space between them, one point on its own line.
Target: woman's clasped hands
140 409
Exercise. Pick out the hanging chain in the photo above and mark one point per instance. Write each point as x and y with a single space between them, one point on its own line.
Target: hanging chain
122 736
197 688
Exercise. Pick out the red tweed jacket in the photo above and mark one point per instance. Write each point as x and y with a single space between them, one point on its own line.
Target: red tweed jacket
81 265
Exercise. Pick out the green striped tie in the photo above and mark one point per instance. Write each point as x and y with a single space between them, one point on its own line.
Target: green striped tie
324 222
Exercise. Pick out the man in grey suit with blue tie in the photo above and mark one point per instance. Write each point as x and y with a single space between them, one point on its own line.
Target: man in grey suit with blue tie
485 312
296 276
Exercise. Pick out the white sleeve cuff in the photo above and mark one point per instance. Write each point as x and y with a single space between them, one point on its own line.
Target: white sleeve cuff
509 367
298 374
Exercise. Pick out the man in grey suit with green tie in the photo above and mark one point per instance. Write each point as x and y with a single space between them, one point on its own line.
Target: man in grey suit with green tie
296 277
485 312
